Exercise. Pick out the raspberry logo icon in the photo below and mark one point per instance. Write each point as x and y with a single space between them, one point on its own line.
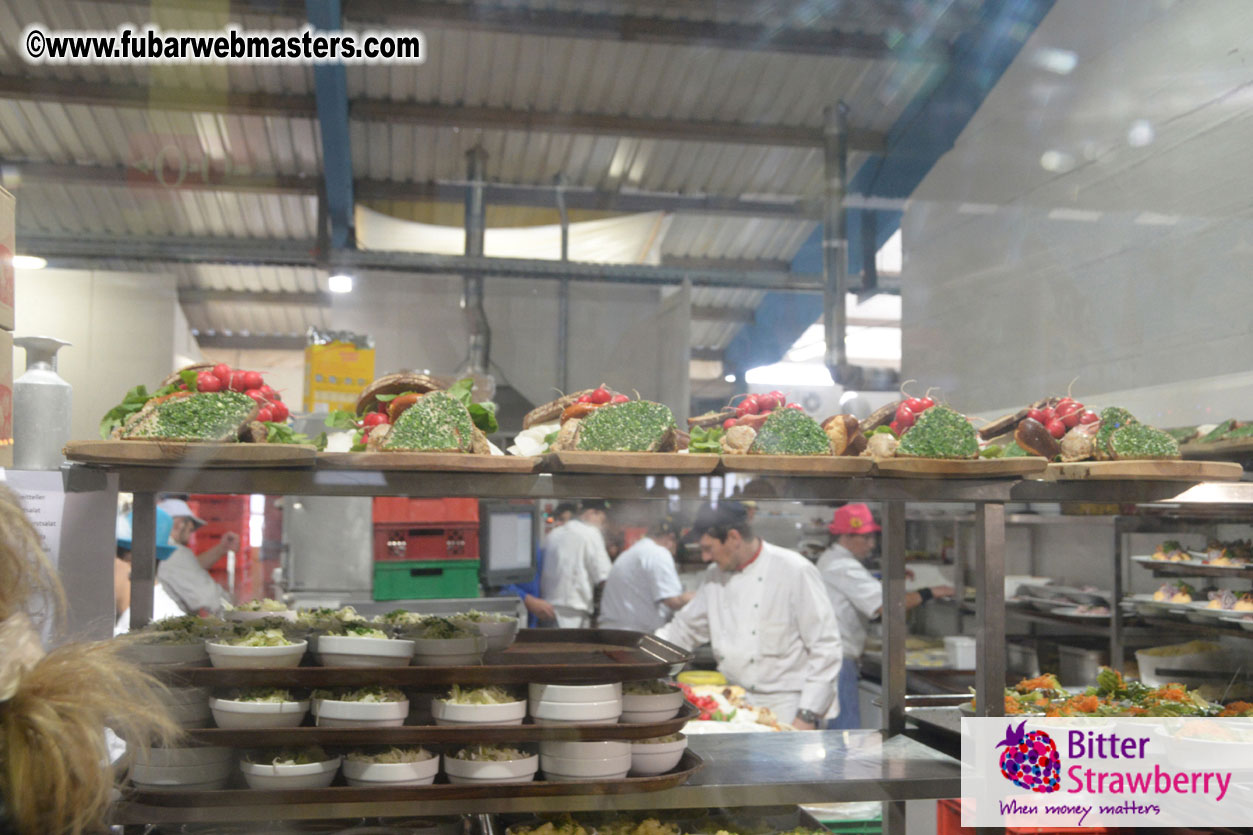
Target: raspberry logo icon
1030 760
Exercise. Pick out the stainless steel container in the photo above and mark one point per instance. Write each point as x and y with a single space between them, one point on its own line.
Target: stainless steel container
41 407
1078 665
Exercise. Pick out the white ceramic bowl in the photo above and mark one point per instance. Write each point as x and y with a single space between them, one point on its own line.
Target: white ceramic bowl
449 652
651 708
169 655
181 756
193 715
575 692
245 617
447 713
180 775
332 713
563 769
421 773
207 786
578 750
499 634
506 771
648 759
311 776
225 655
229 713
607 711
345 651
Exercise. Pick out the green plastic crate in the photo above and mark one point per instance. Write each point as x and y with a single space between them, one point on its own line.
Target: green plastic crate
426 579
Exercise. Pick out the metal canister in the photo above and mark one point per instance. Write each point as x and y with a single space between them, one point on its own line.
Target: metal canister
41 406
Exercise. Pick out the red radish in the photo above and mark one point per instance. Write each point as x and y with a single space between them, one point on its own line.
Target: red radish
265 415
620 398
750 405
1049 414
223 372
182 387
270 394
728 423
237 381
253 380
1038 416
770 402
206 381
1088 417
374 419
905 416
1068 413
1065 401
896 428
583 398
798 407
280 411
1056 428
916 405
257 396
926 402
601 396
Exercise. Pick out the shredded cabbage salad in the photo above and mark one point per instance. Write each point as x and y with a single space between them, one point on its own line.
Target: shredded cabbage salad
475 616
443 629
360 630
266 605
185 629
288 756
324 615
659 739
653 687
263 637
479 696
270 695
369 695
392 755
490 753
401 617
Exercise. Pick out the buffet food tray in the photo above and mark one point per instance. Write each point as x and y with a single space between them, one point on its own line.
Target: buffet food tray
538 655
1144 471
1240 449
688 766
190 454
798 465
437 734
1193 568
959 468
437 462
637 463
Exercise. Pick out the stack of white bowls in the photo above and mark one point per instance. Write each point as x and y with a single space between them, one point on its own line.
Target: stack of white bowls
189 706
576 704
567 761
639 708
181 769
191 654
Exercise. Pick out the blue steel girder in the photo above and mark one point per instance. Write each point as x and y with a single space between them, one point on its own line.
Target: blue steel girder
926 130
330 82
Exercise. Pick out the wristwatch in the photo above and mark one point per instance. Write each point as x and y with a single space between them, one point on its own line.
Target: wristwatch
807 716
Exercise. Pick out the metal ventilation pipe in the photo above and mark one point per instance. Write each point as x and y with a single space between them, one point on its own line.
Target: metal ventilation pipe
472 292
835 242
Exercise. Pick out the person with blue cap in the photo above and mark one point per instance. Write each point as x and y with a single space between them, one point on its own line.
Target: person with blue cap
186 573
163 604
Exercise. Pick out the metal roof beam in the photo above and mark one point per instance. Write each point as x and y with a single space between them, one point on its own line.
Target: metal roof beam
198 296
418 113
721 314
251 341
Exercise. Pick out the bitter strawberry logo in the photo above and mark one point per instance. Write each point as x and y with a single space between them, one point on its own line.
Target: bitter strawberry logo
1030 760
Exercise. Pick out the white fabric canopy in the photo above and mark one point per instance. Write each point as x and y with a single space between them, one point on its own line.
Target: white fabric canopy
631 239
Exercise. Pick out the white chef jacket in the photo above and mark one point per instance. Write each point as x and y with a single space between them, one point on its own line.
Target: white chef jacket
189 583
771 626
575 562
642 577
855 595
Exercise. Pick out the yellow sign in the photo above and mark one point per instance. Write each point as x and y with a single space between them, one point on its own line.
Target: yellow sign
335 374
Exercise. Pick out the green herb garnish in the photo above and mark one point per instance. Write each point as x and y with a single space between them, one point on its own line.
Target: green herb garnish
706 440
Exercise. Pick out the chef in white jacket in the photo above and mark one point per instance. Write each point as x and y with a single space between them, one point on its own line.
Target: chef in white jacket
765 612
643 589
185 574
575 563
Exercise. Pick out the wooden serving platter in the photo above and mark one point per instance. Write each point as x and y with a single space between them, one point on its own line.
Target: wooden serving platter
1240 449
966 468
1145 471
339 794
438 462
189 454
798 465
635 463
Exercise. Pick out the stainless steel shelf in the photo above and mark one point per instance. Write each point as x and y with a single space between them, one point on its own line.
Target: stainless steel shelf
1218 627
1077 626
741 770
1174 569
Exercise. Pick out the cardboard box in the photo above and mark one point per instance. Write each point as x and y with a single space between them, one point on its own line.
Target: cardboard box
8 246
6 398
335 375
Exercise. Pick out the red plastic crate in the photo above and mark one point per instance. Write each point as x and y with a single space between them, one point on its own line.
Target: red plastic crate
389 509
437 542
948 821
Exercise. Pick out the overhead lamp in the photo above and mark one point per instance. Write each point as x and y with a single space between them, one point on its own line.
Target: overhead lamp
340 283
730 378
29 262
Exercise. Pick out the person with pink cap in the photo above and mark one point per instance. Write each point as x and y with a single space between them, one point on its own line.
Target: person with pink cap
857 598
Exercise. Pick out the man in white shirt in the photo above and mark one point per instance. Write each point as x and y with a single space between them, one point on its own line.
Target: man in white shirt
575 563
643 589
764 611
163 606
857 598
185 574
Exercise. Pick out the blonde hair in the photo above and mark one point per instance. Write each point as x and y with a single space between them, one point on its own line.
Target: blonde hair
54 776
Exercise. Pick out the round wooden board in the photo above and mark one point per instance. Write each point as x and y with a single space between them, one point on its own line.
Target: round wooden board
1145 471
798 465
966 468
189 454
1240 449
637 463
446 462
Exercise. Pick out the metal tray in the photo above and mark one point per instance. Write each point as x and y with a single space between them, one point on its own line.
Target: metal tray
538 655
437 734
688 766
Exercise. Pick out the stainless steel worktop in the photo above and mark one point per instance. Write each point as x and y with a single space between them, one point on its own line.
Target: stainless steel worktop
748 769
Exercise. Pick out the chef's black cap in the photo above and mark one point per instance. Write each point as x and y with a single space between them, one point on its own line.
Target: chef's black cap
593 504
718 520
666 526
